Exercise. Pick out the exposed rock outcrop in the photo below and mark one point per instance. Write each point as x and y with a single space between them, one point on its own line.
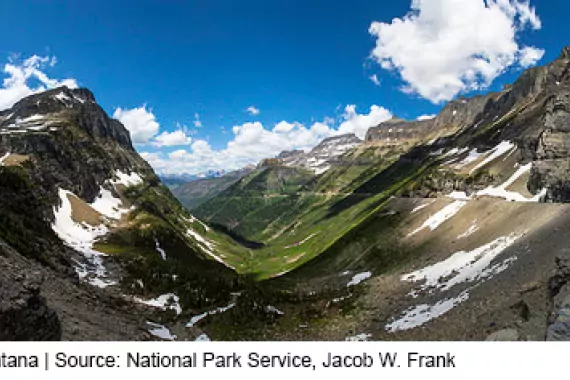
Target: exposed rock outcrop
322 157
24 313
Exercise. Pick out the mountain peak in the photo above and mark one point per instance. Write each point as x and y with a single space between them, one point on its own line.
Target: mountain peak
565 53
55 99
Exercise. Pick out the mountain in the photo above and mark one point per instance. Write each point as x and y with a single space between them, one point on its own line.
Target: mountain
323 156
194 193
172 181
81 210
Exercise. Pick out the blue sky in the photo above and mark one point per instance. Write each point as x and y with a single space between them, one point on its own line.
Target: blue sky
306 66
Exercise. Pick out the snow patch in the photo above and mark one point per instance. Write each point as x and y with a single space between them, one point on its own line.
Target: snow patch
472 157
501 149
166 301
81 238
4 157
358 278
422 206
160 331
160 250
441 216
127 180
359 338
502 192
109 205
193 219
274 310
209 245
63 98
78 98
421 314
30 119
203 338
459 195
219 310
472 229
463 266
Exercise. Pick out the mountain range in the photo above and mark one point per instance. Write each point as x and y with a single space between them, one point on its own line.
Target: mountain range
449 228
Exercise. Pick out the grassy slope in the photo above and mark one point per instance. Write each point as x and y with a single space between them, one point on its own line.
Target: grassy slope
297 226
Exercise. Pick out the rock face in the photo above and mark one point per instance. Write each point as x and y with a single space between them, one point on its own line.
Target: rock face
559 287
395 131
322 157
506 335
71 141
24 314
455 115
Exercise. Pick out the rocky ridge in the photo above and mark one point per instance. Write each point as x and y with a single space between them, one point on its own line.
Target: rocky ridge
322 157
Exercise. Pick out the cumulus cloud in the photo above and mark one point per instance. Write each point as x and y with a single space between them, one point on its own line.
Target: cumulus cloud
253 142
18 74
444 47
529 56
140 122
374 79
176 138
252 110
359 124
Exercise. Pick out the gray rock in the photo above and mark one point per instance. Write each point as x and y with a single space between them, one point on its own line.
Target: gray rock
24 314
560 329
506 335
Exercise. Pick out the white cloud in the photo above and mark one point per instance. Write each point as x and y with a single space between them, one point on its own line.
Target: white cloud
426 117
140 122
444 47
197 121
176 138
529 56
374 79
18 75
252 110
253 142
359 124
